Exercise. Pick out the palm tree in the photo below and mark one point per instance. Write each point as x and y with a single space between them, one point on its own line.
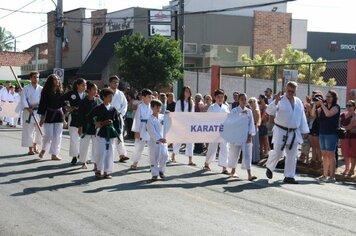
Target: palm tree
6 43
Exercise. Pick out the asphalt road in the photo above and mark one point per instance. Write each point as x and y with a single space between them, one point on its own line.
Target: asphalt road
43 197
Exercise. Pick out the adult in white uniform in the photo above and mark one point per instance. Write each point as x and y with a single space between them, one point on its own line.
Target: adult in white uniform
245 147
119 101
184 104
4 95
218 107
289 124
30 99
139 126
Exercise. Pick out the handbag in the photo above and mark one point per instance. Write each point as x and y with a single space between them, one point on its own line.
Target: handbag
341 133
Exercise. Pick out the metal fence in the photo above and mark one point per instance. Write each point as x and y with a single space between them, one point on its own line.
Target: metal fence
254 79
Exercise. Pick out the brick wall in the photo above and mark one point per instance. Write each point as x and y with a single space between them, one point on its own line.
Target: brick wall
14 58
98 19
272 30
51 38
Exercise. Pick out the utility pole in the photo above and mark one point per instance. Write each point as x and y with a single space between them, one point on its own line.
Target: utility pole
181 29
59 34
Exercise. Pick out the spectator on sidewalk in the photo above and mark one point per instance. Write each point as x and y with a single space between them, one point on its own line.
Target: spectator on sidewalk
171 103
329 115
348 145
235 103
263 130
252 102
268 94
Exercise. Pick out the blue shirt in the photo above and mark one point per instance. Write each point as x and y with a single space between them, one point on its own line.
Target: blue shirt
329 125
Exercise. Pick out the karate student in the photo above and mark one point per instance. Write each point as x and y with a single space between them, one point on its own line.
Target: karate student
52 116
86 128
30 99
73 99
107 119
10 97
157 145
219 107
184 104
245 147
119 101
139 126
289 124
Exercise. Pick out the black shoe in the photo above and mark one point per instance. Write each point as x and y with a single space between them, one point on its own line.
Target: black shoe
269 173
288 180
161 175
74 161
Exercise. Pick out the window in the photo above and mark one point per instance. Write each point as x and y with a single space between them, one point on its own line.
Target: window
190 48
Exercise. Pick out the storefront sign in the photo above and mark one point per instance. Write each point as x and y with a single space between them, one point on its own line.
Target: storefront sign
164 30
160 16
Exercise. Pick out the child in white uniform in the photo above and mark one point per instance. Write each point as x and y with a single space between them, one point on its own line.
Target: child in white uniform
219 107
139 126
157 145
245 147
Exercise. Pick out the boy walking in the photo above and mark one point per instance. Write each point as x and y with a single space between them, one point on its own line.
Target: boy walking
157 145
107 119
139 126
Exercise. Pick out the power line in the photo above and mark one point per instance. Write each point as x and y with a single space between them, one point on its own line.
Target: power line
17 10
39 27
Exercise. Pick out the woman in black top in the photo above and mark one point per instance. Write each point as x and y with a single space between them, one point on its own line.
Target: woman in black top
73 99
314 132
52 117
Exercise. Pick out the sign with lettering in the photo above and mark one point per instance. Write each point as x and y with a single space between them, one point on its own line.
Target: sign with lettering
160 16
121 20
164 30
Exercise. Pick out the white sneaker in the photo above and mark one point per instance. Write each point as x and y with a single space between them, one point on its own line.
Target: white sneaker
322 178
331 180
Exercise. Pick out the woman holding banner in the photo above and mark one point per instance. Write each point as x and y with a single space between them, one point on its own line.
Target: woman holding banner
184 104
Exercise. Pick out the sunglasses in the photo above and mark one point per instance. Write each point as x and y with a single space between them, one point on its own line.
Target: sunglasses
349 105
290 91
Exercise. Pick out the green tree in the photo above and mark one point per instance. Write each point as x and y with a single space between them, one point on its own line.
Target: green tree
5 37
289 55
149 63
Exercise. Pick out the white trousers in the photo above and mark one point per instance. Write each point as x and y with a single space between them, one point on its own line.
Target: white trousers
188 149
74 141
84 148
158 157
30 133
10 120
139 146
234 155
121 149
223 153
105 161
290 162
52 137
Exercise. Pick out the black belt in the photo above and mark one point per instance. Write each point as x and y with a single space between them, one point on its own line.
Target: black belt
285 137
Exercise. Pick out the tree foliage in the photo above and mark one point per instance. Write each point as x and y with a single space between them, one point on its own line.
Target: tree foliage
149 63
289 55
5 37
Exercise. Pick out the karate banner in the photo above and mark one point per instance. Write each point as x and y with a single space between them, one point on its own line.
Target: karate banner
8 109
205 127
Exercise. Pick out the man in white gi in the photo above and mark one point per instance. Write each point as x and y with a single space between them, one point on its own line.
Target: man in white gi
119 101
218 107
290 124
4 94
30 98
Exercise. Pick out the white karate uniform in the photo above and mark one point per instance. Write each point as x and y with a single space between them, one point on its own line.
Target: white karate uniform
10 98
189 147
85 146
158 151
212 149
119 101
139 125
30 97
246 148
52 137
74 138
286 116
105 160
